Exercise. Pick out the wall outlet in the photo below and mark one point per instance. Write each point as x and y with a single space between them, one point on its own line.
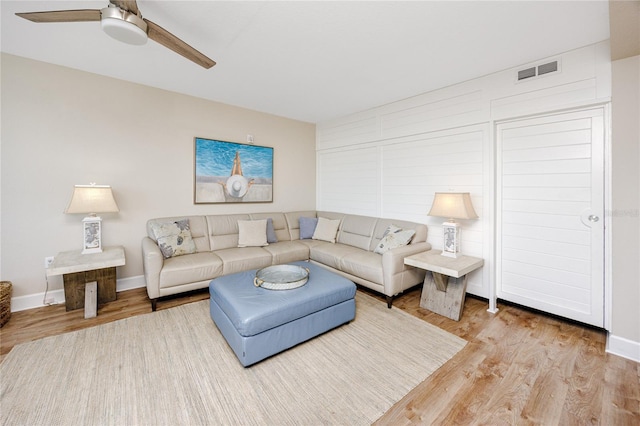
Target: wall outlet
48 261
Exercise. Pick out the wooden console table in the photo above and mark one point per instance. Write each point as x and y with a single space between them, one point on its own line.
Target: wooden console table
89 279
444 289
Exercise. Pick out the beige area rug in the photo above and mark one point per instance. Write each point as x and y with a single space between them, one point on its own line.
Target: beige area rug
173 367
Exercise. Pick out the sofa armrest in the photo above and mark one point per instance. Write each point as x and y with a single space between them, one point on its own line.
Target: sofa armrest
152 262
393 260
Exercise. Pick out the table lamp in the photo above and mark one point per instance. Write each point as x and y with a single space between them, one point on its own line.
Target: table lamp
92 199
452 205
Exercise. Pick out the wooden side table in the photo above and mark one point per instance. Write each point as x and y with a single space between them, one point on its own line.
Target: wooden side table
88 277
444 289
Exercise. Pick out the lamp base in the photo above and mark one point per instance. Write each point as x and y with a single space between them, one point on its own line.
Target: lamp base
92 235
448 254
451 239
93 250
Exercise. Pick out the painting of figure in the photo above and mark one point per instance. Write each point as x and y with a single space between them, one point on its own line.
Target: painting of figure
229 172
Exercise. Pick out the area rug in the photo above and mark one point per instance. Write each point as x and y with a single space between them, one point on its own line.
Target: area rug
173 367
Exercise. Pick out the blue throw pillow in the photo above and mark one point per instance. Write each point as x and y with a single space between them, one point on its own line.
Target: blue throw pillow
271 232
307 227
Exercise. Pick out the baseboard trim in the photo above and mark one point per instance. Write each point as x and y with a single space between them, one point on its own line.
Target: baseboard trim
30 301
130 283
623 347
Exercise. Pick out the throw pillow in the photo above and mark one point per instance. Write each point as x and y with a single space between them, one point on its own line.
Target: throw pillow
252 233
307 227
394 237
173 238
326 230
271 232
391 228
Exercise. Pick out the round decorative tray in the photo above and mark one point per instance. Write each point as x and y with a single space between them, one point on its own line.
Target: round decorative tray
281 277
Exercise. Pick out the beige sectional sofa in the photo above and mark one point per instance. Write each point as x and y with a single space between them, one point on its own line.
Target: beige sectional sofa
215 251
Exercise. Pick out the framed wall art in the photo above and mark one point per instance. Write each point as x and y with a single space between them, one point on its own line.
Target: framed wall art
230 172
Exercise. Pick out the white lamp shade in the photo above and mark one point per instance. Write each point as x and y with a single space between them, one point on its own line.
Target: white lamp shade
92 199
453 205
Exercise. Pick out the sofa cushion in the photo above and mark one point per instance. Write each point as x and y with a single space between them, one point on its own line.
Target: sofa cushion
196 267
357 231
287 251
311 243
240 259
252 233
326 230
363 264
307 227
331 254
173 238
394 237
223 230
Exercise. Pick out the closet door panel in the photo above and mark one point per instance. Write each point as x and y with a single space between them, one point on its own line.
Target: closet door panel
550 235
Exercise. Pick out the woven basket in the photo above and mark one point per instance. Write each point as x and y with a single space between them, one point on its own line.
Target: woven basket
5 302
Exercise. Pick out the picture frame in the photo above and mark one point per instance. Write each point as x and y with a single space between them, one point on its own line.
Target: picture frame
232 172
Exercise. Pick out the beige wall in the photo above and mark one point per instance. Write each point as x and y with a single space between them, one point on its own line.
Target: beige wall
625 142
62 127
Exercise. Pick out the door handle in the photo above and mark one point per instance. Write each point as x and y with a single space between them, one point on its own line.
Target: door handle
589 218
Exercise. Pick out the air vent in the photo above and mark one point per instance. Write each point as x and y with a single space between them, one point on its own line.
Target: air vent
537 71
547 68
528 73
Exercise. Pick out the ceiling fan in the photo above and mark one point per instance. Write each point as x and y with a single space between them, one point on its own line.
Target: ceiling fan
122 20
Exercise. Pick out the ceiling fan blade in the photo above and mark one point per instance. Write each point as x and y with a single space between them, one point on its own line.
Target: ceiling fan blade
168 40
128 5
81 15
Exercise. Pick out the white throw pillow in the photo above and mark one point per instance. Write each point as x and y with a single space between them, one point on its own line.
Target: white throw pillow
394 237
252 233
326 230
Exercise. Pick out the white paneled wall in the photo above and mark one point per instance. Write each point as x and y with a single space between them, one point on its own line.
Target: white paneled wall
389 161
414 170
350 177
355 129
440 111
398 178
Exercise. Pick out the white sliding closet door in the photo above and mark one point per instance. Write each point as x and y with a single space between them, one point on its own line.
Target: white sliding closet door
550 227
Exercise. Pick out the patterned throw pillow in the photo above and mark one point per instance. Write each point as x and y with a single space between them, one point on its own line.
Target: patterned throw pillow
391 229
174 238
394 237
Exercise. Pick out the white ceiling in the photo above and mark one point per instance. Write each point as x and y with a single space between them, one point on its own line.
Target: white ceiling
313 61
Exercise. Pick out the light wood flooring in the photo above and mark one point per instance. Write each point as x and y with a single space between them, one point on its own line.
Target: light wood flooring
519 367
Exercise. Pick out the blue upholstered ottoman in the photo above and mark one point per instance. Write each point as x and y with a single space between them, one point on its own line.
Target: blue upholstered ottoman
258 323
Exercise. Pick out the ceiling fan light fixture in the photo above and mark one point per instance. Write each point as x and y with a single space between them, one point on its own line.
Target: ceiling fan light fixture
123 26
